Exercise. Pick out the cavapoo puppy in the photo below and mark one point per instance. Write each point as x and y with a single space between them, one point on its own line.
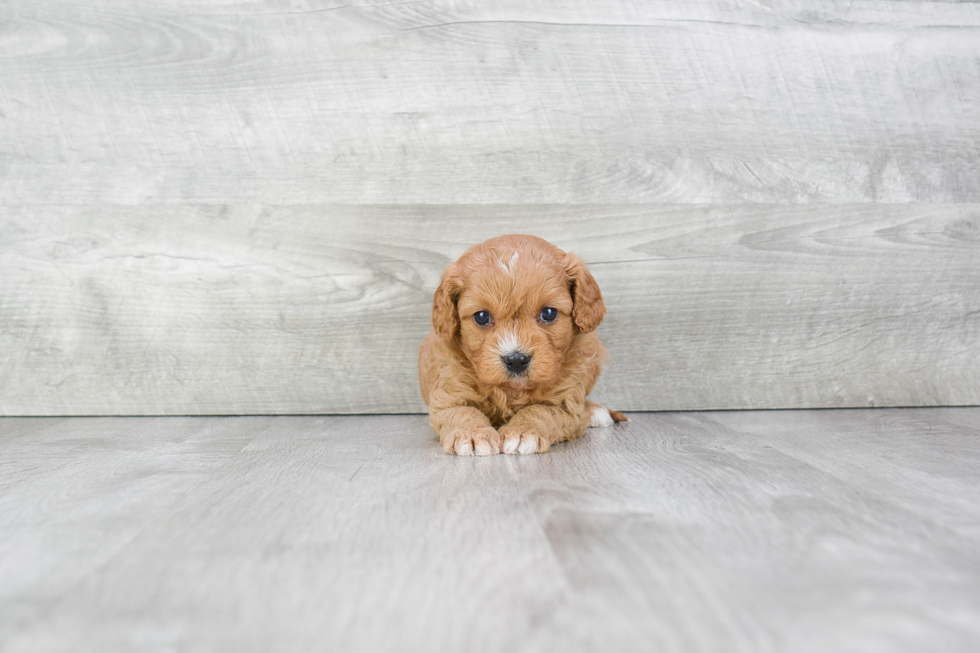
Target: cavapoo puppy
513 351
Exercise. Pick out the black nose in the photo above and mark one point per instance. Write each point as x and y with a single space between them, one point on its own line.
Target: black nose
517 362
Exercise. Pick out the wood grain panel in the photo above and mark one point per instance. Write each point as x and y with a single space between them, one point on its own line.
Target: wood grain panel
302 101
285 309
78 490
747 532
902 475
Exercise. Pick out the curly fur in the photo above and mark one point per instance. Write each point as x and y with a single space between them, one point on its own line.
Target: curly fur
477 406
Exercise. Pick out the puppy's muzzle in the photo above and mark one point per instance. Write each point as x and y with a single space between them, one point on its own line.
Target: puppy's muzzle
516 363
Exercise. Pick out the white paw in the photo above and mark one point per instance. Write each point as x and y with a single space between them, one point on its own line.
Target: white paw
484 448
600 417
483 441
524 443
463 447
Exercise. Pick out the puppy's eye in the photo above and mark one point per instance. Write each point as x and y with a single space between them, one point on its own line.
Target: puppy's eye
548 314
482 318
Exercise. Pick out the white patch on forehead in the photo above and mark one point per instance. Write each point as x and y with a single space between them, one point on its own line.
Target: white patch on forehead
509 266
508 343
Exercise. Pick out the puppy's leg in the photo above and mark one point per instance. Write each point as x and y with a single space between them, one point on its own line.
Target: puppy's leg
465 431
535 428
602 416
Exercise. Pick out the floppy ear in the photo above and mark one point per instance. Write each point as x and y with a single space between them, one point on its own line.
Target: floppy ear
588 309
445 319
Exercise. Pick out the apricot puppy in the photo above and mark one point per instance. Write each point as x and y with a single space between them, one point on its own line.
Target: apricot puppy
513 351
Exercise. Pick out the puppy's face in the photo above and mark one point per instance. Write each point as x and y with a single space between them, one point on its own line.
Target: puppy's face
515 326
516 303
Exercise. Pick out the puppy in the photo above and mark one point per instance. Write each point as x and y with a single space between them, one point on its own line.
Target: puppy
513 350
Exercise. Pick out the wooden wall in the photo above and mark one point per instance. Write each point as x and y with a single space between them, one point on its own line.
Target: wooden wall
214 206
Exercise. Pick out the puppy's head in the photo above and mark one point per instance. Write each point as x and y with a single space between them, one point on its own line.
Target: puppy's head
516 304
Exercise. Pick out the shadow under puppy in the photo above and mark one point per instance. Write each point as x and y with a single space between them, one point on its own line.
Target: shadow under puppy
513 352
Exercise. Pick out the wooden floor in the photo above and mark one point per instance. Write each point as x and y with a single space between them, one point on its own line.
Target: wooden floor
750 531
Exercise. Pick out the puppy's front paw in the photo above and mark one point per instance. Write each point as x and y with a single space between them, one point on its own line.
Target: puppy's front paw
523 441
468 441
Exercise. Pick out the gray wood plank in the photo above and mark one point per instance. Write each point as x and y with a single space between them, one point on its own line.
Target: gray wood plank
13 428
965 419
502 102
938 457
676 532
74 493
281 309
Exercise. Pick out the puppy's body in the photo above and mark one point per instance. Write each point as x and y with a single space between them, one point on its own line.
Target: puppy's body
517 382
